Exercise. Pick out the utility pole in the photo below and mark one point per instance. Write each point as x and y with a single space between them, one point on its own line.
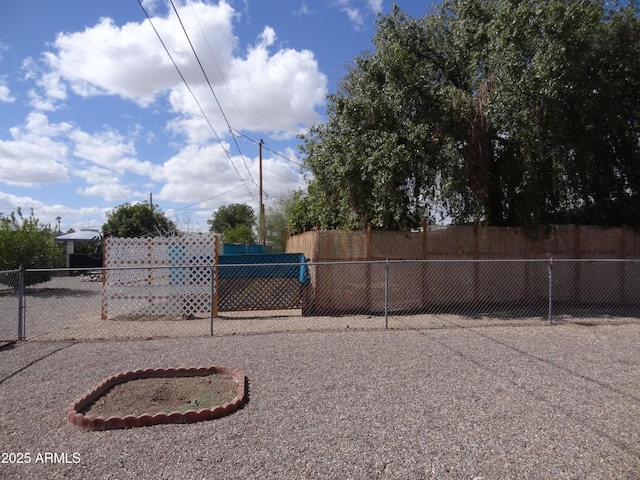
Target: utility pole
261 221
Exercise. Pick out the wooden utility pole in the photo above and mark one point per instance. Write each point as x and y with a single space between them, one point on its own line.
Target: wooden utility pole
261 220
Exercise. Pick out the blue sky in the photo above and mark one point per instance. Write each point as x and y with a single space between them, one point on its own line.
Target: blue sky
94 113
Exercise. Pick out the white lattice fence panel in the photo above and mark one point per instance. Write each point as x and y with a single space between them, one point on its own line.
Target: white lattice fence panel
158 277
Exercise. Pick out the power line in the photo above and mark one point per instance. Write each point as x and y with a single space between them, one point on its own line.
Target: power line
257 142
283 176
211 88
191 92
231 130
224 80
207 199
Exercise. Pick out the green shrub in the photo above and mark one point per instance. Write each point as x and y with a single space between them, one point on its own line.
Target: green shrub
24 241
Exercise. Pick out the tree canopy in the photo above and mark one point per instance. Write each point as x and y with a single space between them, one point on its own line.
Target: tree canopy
234 223
138 220
278 215
25 242
507 112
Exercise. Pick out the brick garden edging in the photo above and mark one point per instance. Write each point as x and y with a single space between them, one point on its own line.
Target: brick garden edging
90 423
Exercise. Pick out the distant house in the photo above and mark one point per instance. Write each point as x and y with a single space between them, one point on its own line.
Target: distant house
80 260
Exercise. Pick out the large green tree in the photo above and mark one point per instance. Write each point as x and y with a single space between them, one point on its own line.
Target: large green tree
138 220
507 112
277 219
234 223
26 242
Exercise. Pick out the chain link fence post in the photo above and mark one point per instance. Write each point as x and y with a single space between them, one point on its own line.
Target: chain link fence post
21 303
550 272
386 294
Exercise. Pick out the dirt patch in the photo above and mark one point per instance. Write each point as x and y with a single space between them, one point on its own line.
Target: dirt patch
164 394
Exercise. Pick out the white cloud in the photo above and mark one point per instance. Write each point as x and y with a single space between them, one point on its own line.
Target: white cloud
47 214
110 150
375 5
110 189
150 5
30 68
354 16
110 158
279 176
40 102
260 91
207 175
5 94
10 203
303 10
279 92
37 123
267 37
51 91
95 174
355 13
129 60
104 183
34 156
189 121
54 90
3 48
42 153
109 60
27 164
200 172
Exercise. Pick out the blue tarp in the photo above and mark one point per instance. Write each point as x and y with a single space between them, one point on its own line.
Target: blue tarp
264 266
242 249
251 265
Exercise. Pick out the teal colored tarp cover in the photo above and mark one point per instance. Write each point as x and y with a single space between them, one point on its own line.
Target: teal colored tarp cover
268 265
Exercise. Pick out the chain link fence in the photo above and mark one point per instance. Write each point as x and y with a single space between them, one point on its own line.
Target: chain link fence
201 300
11 326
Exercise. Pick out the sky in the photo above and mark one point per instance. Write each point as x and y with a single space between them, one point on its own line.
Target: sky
95 114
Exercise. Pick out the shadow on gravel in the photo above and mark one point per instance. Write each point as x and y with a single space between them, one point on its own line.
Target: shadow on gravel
60 292
4 346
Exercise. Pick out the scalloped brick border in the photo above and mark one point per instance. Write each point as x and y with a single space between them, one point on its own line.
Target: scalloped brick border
86 422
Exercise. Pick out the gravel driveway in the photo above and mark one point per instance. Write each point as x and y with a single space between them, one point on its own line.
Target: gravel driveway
535 401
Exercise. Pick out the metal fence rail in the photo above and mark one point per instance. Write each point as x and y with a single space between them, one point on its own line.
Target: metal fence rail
205 300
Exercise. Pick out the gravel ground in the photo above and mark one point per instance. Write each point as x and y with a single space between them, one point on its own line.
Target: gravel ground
535 401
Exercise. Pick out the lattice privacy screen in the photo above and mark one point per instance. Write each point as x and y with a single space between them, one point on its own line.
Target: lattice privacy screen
159 277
